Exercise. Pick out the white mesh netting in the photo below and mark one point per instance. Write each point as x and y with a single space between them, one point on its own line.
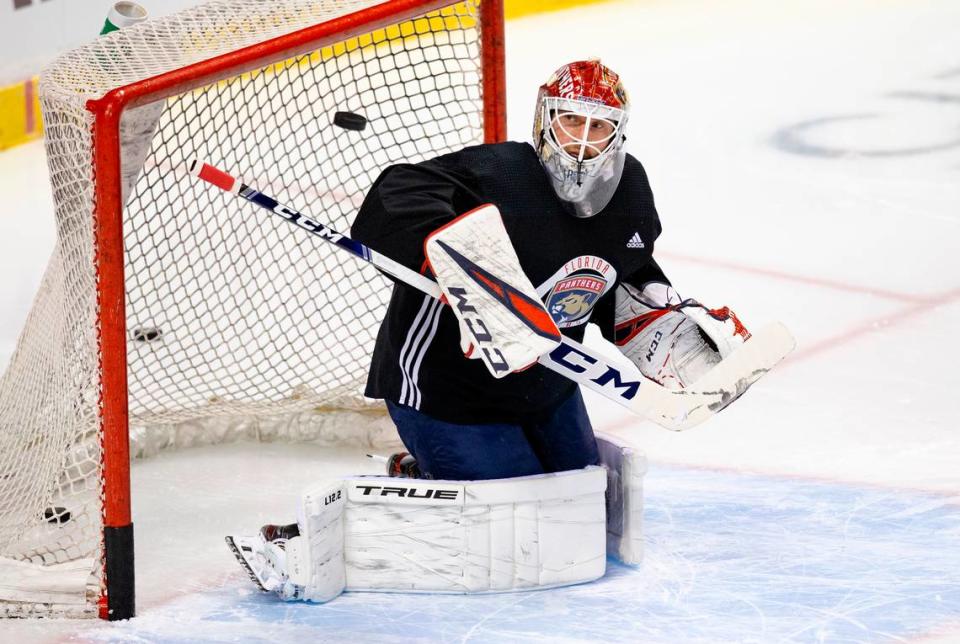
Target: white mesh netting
238 324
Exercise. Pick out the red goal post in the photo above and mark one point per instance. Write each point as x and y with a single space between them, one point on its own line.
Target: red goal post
423 35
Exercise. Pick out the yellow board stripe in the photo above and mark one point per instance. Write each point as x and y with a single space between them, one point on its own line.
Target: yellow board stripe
20 108
19 114
521 8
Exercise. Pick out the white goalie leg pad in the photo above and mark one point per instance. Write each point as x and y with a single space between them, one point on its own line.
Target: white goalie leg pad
502 320
626 466
473 537
315 559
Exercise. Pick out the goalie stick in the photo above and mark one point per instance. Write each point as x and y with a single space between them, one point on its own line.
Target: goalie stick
672 409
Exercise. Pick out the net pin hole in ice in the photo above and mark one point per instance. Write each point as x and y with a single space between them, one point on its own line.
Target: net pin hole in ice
350 121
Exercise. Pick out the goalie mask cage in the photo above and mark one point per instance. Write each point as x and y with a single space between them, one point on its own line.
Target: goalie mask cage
167 304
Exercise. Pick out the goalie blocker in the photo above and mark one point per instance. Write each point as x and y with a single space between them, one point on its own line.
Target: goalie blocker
378 533
502 320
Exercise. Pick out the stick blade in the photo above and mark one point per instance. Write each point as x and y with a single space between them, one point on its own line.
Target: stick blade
686 408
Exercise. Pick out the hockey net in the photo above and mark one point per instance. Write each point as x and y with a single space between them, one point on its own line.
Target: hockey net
214 321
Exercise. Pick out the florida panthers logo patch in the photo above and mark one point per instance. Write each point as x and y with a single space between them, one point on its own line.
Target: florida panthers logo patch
572 291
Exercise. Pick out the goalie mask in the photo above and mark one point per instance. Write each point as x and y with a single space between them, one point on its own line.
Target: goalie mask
578 132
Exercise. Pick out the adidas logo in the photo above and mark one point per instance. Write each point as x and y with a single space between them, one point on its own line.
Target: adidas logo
635 241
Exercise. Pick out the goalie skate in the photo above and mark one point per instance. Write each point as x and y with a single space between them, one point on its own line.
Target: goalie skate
245 550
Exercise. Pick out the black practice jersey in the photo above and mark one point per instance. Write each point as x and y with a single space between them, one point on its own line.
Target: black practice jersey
575 264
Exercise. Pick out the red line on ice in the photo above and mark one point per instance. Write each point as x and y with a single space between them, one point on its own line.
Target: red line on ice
917 303
803 279
880 322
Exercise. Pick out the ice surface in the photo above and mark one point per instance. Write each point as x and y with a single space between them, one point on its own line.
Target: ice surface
730 556
805 160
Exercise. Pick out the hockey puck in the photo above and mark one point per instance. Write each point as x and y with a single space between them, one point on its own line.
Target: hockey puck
146 334
350 121
56 515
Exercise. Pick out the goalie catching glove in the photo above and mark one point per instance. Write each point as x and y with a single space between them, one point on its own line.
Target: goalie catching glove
672 341
502 320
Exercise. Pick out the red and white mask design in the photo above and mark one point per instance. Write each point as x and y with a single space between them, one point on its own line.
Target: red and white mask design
579 133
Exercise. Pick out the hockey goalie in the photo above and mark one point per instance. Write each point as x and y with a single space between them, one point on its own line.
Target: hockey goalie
528 244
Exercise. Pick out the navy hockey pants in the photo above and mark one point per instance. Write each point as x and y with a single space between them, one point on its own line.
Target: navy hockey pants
453 452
